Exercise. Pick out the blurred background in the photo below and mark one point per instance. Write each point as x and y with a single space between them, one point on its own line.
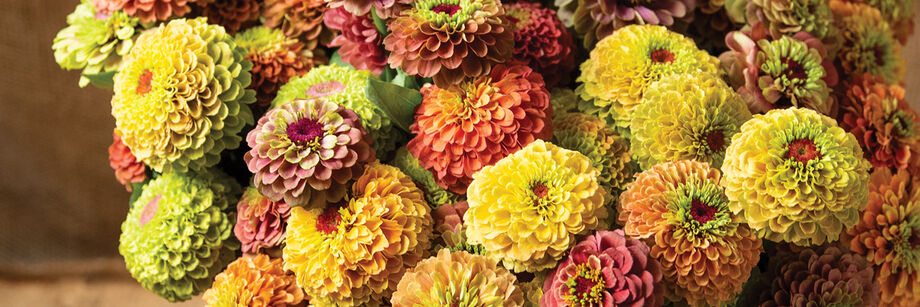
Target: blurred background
60 206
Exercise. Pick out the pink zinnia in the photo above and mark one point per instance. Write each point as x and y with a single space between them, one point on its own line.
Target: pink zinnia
260 222
358 42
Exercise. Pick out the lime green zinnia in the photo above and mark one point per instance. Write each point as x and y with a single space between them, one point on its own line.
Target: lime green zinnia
434 194
94 44
346 87
796 177
177 236
686 117
793 71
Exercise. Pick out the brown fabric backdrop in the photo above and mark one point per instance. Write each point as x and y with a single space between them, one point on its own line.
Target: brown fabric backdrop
58 197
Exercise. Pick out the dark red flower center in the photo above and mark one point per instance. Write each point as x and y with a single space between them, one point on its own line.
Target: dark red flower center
304 131
583 287
586 287
914 239
450 9
662 56
702 212
794 70
328 222
143 83
150 210
879 53
540 190
513 19
325 89
802 150
715 140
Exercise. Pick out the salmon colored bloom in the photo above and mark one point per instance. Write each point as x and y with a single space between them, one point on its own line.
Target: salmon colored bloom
301 19
882 121
260 222
127 169
254 281
275 60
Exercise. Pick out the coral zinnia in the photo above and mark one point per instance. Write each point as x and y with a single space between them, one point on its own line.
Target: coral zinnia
346 87
435 194
810 277
176 236
449 40
260 222
706 253
355 254
231 14
460 129
181 98
94 42
301 19
884 124
359 42
306 152
796 176
777 73
127 169
608 151
254 281
527 209
457 279
626 62
596 19
868 43
147 10
686 117
793 16
541 41
605 269
275 60
888 234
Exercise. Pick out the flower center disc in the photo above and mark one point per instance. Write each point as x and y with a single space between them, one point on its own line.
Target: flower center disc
304 131
794 70
715 140
586 288
662 56
328 222
701 211
449 9
802 150
149 210
143 83
325 89
539 190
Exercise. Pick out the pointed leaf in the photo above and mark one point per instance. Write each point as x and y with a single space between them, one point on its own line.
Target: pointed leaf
395 101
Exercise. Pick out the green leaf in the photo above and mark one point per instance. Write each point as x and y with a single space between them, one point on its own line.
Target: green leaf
337 59
104 80
396 101
380 24
405 80
137 188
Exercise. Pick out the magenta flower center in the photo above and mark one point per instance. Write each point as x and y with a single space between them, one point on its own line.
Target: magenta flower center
794 70
702 212
715 140
150 210
328 222
304 131
802 150
450 9
586 288
143 83
325 89
662 56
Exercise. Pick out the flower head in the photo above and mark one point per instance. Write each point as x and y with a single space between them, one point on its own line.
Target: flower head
527 209
359 42
307 151
254 281
596 19
541 41
177 235
605 269
888 235
127 169
231 14
147 10
383 8
180 96
706 253
434 194
275 60
795 176
449 40
609 152
868 43
462 128
625 63
260 222
353 254
94 43
898 13
819 277
882 120
686 117
792 16
448 222
301 19
457 279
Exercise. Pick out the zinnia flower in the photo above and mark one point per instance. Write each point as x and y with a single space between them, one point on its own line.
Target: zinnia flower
177 236
527 209
898 13
563 100
355 254
628 61
609 152
793 16
605 269
888 235
301 19
127 169
93 41
457 279
705 252
686 117
462 128
275 60
810 277
359 42
434 194
796 176
383 8
541 41
147 10
260 222
596 19
180 96
306 152
777 73
346 87
449 40
882 120
868 43
254 281
231 14
448 222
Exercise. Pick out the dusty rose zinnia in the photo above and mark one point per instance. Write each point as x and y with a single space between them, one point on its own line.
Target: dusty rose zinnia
359 42
541 41
595 19
127 169
298 18
260 222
